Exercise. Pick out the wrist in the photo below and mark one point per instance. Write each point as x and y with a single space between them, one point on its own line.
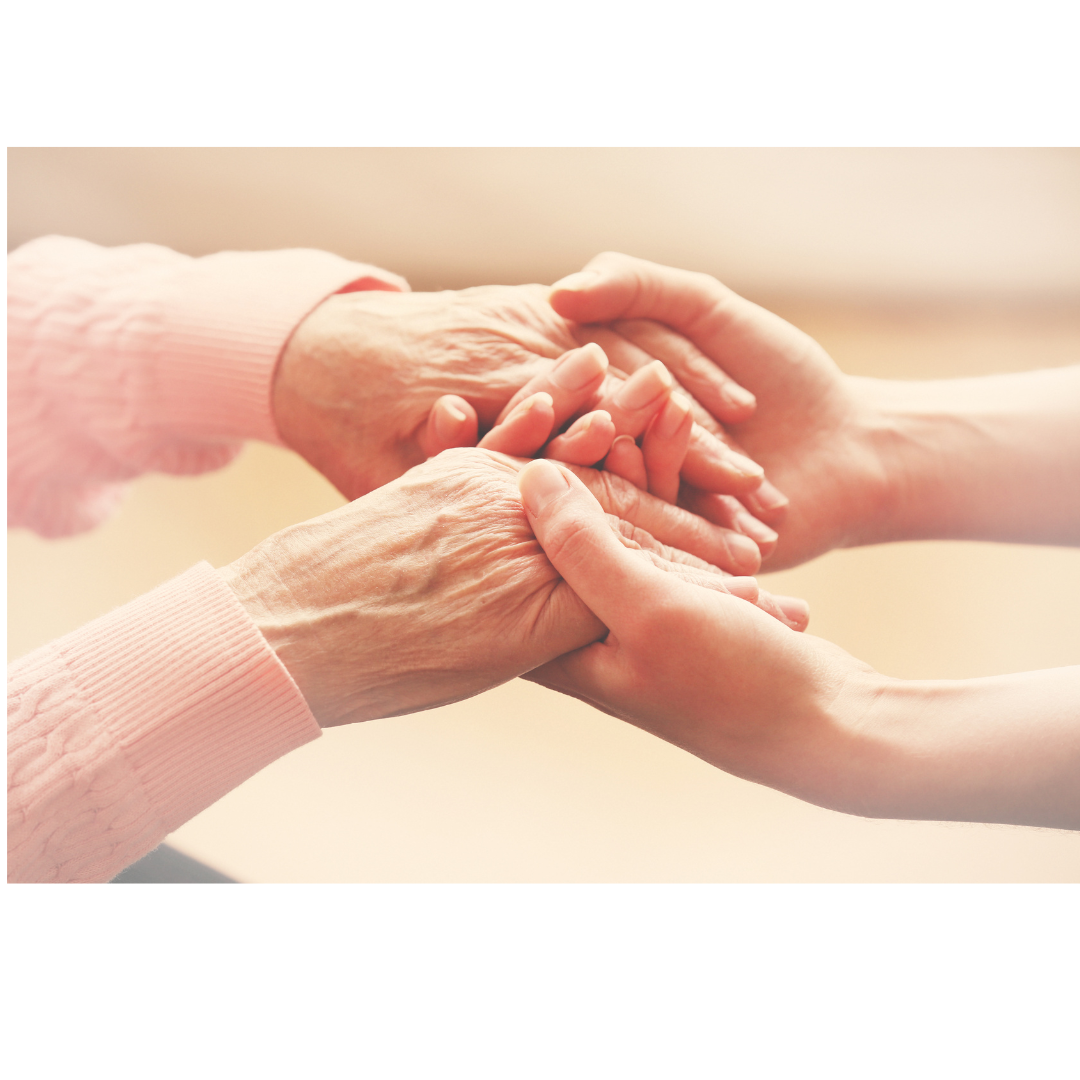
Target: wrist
259 584
847 761
912 444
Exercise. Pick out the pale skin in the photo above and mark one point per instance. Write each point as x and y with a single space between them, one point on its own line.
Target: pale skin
354 390
744 692
432 588
863 461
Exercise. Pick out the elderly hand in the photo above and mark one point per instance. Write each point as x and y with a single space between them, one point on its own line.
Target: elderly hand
357 381
432 588
619 411
816 431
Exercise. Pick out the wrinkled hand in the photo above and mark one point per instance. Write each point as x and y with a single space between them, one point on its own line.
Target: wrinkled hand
815 430
358 378
619 412
432 588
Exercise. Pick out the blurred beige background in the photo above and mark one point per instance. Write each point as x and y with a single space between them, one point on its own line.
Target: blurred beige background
904 263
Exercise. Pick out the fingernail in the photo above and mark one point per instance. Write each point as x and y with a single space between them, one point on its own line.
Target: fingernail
528 404
739 395
796 610
756 530
744 552
744 465
579 367
448 421
746 588
577 282
643 387
767 497
672 416
540 483
585 423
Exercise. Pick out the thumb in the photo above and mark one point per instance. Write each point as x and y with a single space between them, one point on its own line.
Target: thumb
451 423
572 528
614 286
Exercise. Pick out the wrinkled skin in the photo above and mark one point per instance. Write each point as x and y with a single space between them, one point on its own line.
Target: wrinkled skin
358 380
359 376
433 588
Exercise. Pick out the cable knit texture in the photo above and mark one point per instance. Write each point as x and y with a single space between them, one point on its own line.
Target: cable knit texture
123 730
122 361
135 359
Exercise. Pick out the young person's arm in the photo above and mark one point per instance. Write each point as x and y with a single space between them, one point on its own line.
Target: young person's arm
862 460
721 679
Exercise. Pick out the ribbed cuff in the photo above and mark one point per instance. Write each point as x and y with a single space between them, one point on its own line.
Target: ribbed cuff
226 319
193 694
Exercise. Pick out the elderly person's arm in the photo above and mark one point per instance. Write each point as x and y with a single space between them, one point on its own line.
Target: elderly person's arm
863 460
424 591
742 691
135 359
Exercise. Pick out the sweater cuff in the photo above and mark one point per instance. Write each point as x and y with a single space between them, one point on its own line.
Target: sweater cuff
226 319
195 698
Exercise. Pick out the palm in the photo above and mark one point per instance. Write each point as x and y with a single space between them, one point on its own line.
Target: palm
803 434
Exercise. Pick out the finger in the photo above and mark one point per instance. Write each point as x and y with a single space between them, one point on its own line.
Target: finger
796 610
451 423
711 385
585 442
637 539
625 459
525 429
672 525
622 354
663 449
789 610
625 358
745 588
727 511
766 501
616 286
633 402
573 530
573 383
727 328
713 466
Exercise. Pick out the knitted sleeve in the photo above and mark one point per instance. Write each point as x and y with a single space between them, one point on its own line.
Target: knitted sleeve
121 361
134 359
123 730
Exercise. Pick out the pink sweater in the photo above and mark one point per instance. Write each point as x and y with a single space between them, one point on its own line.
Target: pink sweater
122 361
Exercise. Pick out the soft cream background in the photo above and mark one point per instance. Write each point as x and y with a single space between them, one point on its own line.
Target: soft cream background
903 263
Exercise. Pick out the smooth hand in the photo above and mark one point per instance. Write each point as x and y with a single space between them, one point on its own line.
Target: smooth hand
719 678
708 672
815 431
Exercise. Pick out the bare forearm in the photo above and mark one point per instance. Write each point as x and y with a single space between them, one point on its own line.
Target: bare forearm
993 458
1002 749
